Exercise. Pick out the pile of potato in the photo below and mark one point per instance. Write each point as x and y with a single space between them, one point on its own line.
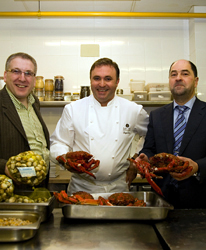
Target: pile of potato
6 187
27 159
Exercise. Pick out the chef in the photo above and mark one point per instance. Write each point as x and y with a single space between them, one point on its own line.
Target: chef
103 125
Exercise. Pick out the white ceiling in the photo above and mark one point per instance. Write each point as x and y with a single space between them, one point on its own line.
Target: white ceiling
101 6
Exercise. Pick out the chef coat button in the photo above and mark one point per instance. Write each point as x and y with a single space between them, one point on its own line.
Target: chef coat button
109 174
116 139
112 157
117 122
92 138
91 121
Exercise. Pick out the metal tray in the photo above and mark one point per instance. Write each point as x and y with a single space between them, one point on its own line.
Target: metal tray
156 209
44 209
19 233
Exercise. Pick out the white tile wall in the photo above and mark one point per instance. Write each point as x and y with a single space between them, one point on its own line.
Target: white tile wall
143 48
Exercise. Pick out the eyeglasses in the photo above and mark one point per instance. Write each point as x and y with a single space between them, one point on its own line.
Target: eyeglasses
18 72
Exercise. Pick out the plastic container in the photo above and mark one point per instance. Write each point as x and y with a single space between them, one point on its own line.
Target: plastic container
140 95
136 85
159 96
152 87
128 97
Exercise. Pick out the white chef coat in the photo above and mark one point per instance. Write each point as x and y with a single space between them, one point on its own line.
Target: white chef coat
106 133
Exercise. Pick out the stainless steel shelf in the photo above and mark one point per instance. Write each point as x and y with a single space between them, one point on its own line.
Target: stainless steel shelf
63 103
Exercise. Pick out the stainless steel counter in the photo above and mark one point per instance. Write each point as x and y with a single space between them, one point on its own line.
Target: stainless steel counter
59 233
183 229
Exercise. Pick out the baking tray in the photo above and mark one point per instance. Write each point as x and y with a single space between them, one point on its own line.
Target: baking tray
44 209
156 209
19 233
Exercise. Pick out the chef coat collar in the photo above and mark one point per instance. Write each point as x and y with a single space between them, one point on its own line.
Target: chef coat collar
108 104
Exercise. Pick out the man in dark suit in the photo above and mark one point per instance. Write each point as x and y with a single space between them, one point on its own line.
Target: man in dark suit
21 125
188 191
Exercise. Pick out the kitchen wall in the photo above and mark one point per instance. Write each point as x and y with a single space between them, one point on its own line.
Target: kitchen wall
143 48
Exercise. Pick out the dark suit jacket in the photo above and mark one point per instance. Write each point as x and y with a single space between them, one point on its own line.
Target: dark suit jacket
191 193
13 138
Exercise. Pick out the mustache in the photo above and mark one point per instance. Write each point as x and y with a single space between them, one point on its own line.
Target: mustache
179 84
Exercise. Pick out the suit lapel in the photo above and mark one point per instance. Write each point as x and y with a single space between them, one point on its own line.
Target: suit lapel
167 124
197 114
10 111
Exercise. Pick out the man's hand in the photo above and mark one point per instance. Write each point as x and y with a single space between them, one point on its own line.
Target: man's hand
131 173
192 163
142 157
10 176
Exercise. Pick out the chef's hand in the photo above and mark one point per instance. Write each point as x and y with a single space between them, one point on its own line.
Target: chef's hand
131 173
192 163
67 166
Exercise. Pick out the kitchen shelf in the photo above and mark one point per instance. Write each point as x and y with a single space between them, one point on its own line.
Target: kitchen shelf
63 103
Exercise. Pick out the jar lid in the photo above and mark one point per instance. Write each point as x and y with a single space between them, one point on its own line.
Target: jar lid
1 77
39 77
67 93
49 80
59 77
75 93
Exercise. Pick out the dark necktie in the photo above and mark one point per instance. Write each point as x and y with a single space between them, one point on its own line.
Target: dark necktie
179 128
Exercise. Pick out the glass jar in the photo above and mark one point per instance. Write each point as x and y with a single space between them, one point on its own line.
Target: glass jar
85 91
49 96
75 97
49 85
59 88
39 93
39 82
67 96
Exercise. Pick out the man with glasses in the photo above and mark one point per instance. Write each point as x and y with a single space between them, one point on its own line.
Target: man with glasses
21 125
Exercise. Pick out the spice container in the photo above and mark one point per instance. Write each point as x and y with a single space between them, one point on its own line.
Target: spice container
119 91
49 89
75 97
67 96
59 88
85 91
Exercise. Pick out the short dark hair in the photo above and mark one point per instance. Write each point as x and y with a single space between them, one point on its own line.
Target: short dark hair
105 61
193 67
21 55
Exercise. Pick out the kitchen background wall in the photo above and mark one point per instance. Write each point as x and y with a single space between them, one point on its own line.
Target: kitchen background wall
143 48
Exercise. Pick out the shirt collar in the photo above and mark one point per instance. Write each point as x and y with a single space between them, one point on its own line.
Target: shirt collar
188 104
16 102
